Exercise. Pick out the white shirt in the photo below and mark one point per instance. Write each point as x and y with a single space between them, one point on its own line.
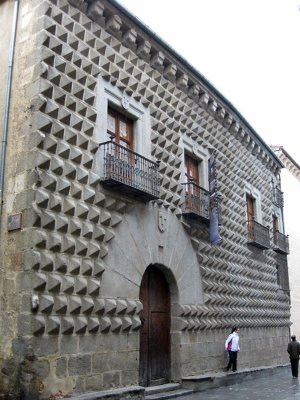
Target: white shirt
234 339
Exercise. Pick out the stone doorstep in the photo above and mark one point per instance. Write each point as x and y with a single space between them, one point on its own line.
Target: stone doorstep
168 395
130 392
167 387
166 391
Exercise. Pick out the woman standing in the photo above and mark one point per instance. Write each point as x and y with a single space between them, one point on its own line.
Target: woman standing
232 346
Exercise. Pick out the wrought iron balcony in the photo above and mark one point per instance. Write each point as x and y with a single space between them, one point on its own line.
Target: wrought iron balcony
258 235
280 242
277 197
196 201
127 171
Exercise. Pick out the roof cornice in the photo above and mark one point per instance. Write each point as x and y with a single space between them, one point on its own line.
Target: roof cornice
150 47
287 160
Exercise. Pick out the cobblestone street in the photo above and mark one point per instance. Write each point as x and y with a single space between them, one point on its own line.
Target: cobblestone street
279 385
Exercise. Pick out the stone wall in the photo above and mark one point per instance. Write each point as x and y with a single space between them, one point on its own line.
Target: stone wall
16 200
83 249
6 28
291 187
204 351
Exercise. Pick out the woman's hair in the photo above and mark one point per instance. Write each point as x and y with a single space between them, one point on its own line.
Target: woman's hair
233 330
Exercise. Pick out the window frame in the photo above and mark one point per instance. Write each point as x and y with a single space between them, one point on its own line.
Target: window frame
199 154
193 165
109 96
282 277
252 192
277 212
119 118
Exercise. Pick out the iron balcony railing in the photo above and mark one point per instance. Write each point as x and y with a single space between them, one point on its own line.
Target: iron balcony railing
258 235
280 242
277 197
196 200
128 171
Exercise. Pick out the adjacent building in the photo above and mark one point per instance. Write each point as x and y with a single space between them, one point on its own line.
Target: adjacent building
141 214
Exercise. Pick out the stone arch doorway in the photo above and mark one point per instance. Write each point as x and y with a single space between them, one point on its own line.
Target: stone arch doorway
155 332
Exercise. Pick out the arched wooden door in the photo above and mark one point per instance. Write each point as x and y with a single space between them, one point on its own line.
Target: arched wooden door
155 331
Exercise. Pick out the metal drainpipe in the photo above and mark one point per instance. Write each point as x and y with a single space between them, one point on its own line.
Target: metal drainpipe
7 100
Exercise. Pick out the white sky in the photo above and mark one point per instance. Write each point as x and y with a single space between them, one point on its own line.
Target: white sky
247 49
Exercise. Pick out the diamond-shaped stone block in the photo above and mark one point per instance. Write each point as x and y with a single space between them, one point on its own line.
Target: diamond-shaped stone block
61 304
38 325
105 324
46 304
93 287
67 325
74 304
81 325
110 306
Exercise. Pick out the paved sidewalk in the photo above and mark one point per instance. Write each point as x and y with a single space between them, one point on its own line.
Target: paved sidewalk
277 385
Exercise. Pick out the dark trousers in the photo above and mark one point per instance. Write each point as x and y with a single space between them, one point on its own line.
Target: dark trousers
295 365
232 360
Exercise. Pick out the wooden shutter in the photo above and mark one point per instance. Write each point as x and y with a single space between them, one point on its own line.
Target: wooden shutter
275 228
121 128
250 208
191 170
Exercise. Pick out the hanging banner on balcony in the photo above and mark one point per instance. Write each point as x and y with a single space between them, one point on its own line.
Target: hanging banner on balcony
215 199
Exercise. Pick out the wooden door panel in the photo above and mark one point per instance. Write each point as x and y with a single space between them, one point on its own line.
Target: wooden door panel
155 331
191 169
275 228
250 208
144 332
159 353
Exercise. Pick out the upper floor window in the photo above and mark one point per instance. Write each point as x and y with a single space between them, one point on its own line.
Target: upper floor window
124 118
124 159
258 234
194 165
280 240
250 207
120 128
282 276
275 223
253 203
194 178
191 169
277 195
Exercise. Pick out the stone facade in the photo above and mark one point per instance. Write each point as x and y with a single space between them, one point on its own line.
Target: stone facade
71 271
291 185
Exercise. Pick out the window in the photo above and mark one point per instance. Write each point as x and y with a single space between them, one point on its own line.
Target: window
282 276
191 169
194 163
250 208
120 128
119 162
275 227
280 240
258 235
196 198
195 180
117 109
124 161
250 201
253 203
277 194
